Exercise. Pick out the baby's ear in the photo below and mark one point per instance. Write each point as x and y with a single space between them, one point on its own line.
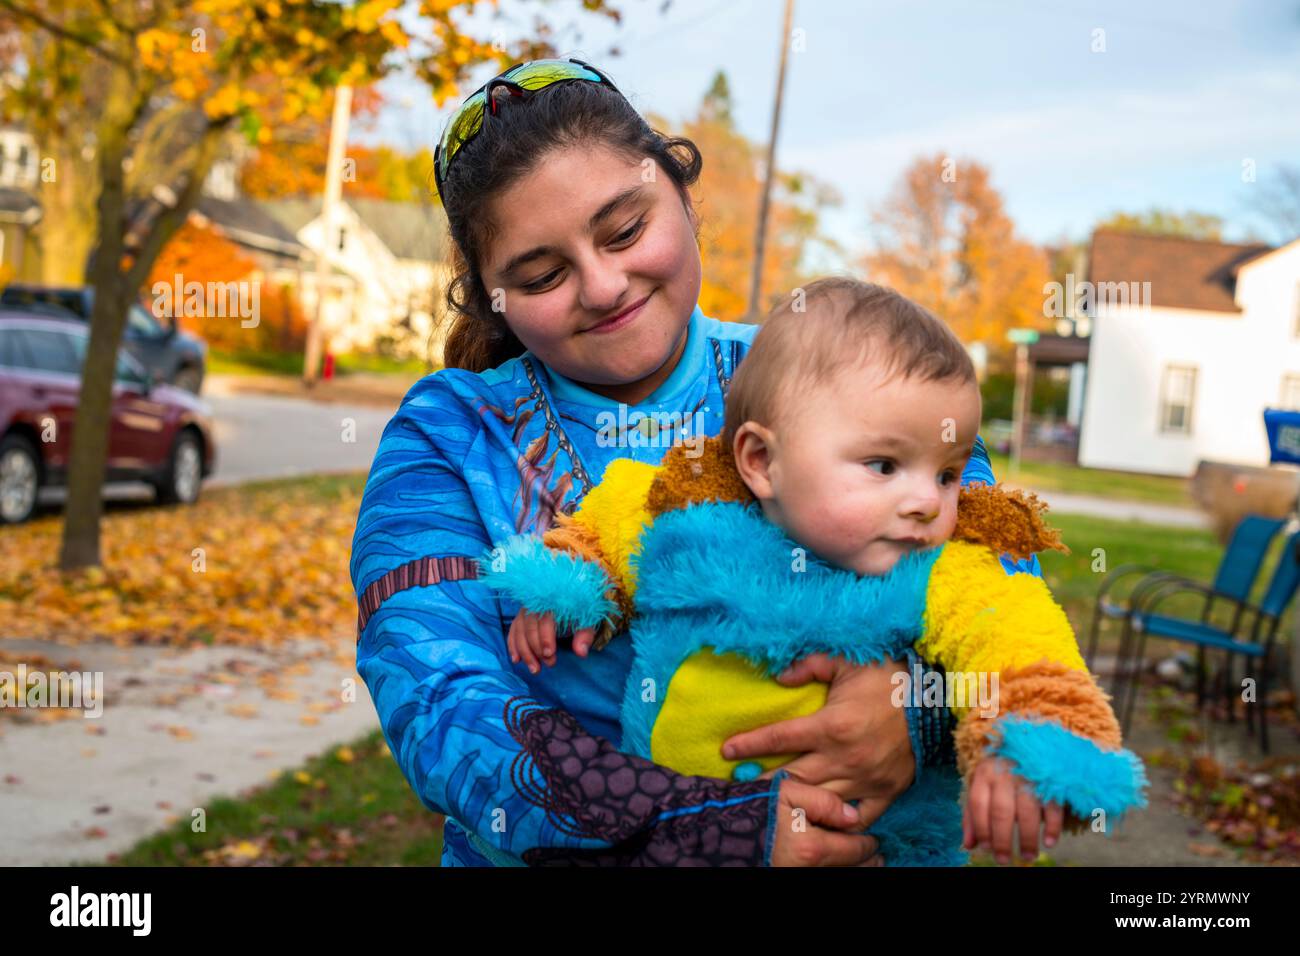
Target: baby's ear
690 474
1005 520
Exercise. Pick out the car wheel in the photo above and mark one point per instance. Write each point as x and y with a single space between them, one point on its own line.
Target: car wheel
189 378
20 478
180 483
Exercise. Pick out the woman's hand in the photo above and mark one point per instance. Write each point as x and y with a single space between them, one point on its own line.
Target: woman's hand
807 832
857 745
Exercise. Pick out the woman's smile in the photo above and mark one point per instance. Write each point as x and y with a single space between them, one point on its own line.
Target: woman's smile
619 321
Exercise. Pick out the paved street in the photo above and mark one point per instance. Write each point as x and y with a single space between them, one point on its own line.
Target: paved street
266 436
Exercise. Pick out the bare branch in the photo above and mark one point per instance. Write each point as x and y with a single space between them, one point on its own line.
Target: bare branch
60 31
174 217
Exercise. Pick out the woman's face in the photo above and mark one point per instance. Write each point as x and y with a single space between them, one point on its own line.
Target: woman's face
594 263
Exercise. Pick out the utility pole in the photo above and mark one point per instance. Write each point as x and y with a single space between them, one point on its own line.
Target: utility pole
760 237
329 234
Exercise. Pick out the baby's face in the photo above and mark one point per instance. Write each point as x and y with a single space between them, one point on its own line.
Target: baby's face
868 469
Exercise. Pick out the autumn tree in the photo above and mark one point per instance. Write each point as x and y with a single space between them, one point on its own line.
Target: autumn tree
1166 222
727 201
1275 198
155 86
944 239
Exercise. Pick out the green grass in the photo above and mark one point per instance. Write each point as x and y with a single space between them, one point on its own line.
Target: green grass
1189 552
1071 479
254 363
290 364
324 487
357 812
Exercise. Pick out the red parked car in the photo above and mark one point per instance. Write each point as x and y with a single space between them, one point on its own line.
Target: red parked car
160 434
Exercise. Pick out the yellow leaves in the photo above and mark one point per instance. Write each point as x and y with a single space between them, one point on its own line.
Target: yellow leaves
392 31
344 755
156 47
275 569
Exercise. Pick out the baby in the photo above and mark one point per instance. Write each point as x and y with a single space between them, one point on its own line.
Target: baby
829 517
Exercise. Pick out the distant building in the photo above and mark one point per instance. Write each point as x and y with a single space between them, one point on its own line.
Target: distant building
389 269
1191 341
20 212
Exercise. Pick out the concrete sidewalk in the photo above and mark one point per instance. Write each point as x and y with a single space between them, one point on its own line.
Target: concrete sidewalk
179 728
1118 509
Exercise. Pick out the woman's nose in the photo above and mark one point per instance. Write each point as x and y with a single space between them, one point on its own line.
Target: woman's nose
602 287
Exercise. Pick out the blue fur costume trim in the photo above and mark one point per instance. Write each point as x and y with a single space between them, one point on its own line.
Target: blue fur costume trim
721 575
542 580
1071 770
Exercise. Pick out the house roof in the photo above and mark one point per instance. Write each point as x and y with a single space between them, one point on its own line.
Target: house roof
18 206
245 221
1184 273
409 230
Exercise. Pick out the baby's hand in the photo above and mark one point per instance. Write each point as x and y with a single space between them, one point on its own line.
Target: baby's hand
998 801
532 639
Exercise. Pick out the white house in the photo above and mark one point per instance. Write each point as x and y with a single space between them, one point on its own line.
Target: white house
386 269
1191 341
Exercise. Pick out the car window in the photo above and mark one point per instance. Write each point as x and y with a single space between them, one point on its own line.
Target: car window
6 349
128 371
143 323
48 351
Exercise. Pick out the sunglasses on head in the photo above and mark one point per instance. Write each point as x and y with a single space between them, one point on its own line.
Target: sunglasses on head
467 121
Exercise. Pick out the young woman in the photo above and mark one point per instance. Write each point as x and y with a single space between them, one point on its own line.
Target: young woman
577 339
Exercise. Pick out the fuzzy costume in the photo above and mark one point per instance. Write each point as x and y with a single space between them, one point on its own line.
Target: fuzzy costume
719 600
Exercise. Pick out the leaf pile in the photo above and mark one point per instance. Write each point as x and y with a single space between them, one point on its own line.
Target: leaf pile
253 567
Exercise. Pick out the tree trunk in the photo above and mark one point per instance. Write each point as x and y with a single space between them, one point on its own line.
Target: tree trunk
90 434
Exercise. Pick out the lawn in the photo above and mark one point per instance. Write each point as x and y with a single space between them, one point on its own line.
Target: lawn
358 809
348 807
290 364
1071 479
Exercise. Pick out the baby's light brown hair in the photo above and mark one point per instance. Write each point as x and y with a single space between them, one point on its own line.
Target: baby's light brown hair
828 326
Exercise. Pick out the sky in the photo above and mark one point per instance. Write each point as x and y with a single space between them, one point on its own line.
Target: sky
1182 96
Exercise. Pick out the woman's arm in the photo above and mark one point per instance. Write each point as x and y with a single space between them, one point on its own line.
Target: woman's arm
473 744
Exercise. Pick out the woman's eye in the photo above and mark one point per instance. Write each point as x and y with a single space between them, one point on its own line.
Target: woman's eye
628 234
884 464
541 283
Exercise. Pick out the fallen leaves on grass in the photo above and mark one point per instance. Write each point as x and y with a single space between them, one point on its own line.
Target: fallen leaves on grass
253 568
1255 809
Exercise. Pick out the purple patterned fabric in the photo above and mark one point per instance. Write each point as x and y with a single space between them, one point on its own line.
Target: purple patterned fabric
649 816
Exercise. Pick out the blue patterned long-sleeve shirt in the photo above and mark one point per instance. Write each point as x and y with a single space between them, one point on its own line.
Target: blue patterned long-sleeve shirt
524 766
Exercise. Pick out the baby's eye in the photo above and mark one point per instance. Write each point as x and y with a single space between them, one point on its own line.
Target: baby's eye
948 477
885 465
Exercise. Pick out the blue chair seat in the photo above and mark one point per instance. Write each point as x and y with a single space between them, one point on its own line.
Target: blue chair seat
1162 625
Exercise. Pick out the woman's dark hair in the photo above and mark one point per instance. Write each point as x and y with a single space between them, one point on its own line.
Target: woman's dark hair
522 133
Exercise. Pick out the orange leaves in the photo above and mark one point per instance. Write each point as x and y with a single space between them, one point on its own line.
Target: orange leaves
944 240
255 568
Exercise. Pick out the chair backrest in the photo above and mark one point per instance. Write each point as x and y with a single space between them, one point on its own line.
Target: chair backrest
1281 589
1241 562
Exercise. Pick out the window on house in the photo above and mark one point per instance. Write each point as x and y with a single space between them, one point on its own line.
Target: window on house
1295 326
1177 396
1290 392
